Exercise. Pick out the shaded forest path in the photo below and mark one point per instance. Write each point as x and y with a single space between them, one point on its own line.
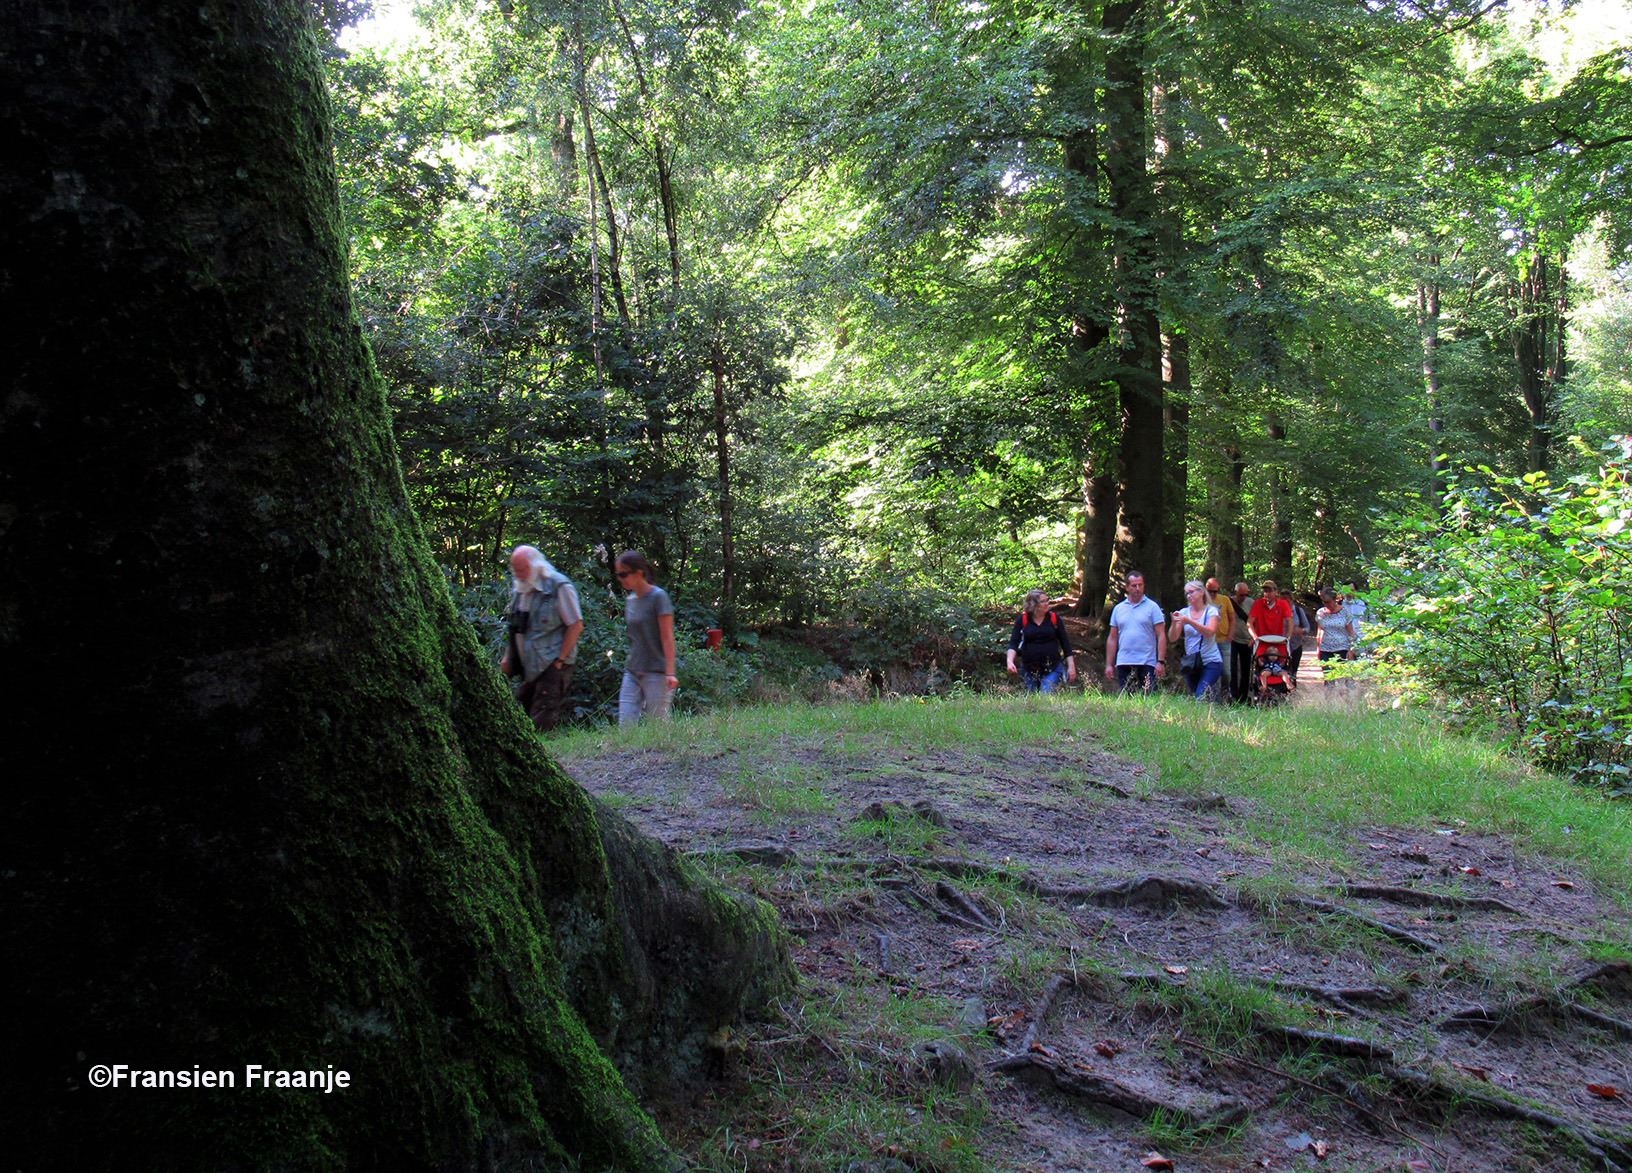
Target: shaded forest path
1041 959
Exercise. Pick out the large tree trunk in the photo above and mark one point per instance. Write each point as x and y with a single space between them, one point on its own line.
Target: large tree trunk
1141 516
273 807
1539 350
1176 412
1428 290
722 444
1226 548
1280 507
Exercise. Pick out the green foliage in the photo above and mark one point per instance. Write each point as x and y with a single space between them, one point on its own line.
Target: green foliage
1509 612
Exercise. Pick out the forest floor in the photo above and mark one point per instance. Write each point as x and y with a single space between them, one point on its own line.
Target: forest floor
1036 955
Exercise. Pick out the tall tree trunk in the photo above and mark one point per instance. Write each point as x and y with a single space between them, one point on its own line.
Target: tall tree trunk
1539 316
1141 518
660 151
1169 150
614 243
722 442
1280 508
1226 551
1094 538
282 810
1176 372
1096 525
1428 289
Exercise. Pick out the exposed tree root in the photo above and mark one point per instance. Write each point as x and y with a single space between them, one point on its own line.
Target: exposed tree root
1345 997
1046 1003
1610 1154
1392 932
1040 1070
962 905
1380 1121
1416 899
1608 975
1491 1019
1328 1044
1151 891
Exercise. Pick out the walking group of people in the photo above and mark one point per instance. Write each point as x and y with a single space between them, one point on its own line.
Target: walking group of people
543 625
1224 637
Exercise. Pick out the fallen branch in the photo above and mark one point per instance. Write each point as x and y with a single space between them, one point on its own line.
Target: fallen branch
1392 932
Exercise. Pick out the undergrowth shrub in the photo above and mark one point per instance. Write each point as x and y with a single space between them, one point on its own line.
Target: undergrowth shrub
1512 611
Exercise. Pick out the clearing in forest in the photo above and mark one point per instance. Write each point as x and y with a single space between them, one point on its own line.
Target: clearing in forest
1102 935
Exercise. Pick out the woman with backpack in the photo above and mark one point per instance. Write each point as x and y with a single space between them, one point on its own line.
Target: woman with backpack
1040 646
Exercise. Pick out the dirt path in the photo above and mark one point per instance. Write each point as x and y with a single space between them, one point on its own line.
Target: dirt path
1038 960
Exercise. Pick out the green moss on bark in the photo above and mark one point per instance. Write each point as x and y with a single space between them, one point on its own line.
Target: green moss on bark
275 808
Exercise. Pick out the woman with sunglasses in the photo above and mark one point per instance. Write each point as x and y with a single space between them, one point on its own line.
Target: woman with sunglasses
1204 663
648 673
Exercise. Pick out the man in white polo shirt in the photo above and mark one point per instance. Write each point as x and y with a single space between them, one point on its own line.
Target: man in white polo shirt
1136 650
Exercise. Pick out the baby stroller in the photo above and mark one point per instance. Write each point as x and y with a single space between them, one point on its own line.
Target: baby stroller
1271 680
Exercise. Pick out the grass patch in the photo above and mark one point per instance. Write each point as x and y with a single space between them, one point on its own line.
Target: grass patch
1309 770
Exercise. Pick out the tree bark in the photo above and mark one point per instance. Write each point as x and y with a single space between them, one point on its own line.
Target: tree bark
1226 550
722 443
1141 517
1176 423
279 809
1280 508
1538 315
1428 290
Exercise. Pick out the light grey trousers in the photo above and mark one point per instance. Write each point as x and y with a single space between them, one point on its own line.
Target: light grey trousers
643 695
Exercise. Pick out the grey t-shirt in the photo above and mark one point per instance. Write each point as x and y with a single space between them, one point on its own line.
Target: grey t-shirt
1136 626
645 644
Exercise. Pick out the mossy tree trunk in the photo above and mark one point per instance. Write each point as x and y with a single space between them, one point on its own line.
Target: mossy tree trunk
269 804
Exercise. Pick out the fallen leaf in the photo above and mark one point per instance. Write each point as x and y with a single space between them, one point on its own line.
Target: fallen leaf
1419 1167
1109 1050
1476 1072
1321 1149
1157 1161
1469 871
1204 852
1563 884
1007 1024
1042 1050
1177 968
1378 846
1607 1091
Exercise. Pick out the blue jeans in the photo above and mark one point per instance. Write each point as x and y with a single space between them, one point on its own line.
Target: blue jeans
1205 682
1132 676
1036 678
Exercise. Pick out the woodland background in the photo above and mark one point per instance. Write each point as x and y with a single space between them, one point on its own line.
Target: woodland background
863 318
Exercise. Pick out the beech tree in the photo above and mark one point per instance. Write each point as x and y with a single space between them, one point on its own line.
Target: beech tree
270 804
